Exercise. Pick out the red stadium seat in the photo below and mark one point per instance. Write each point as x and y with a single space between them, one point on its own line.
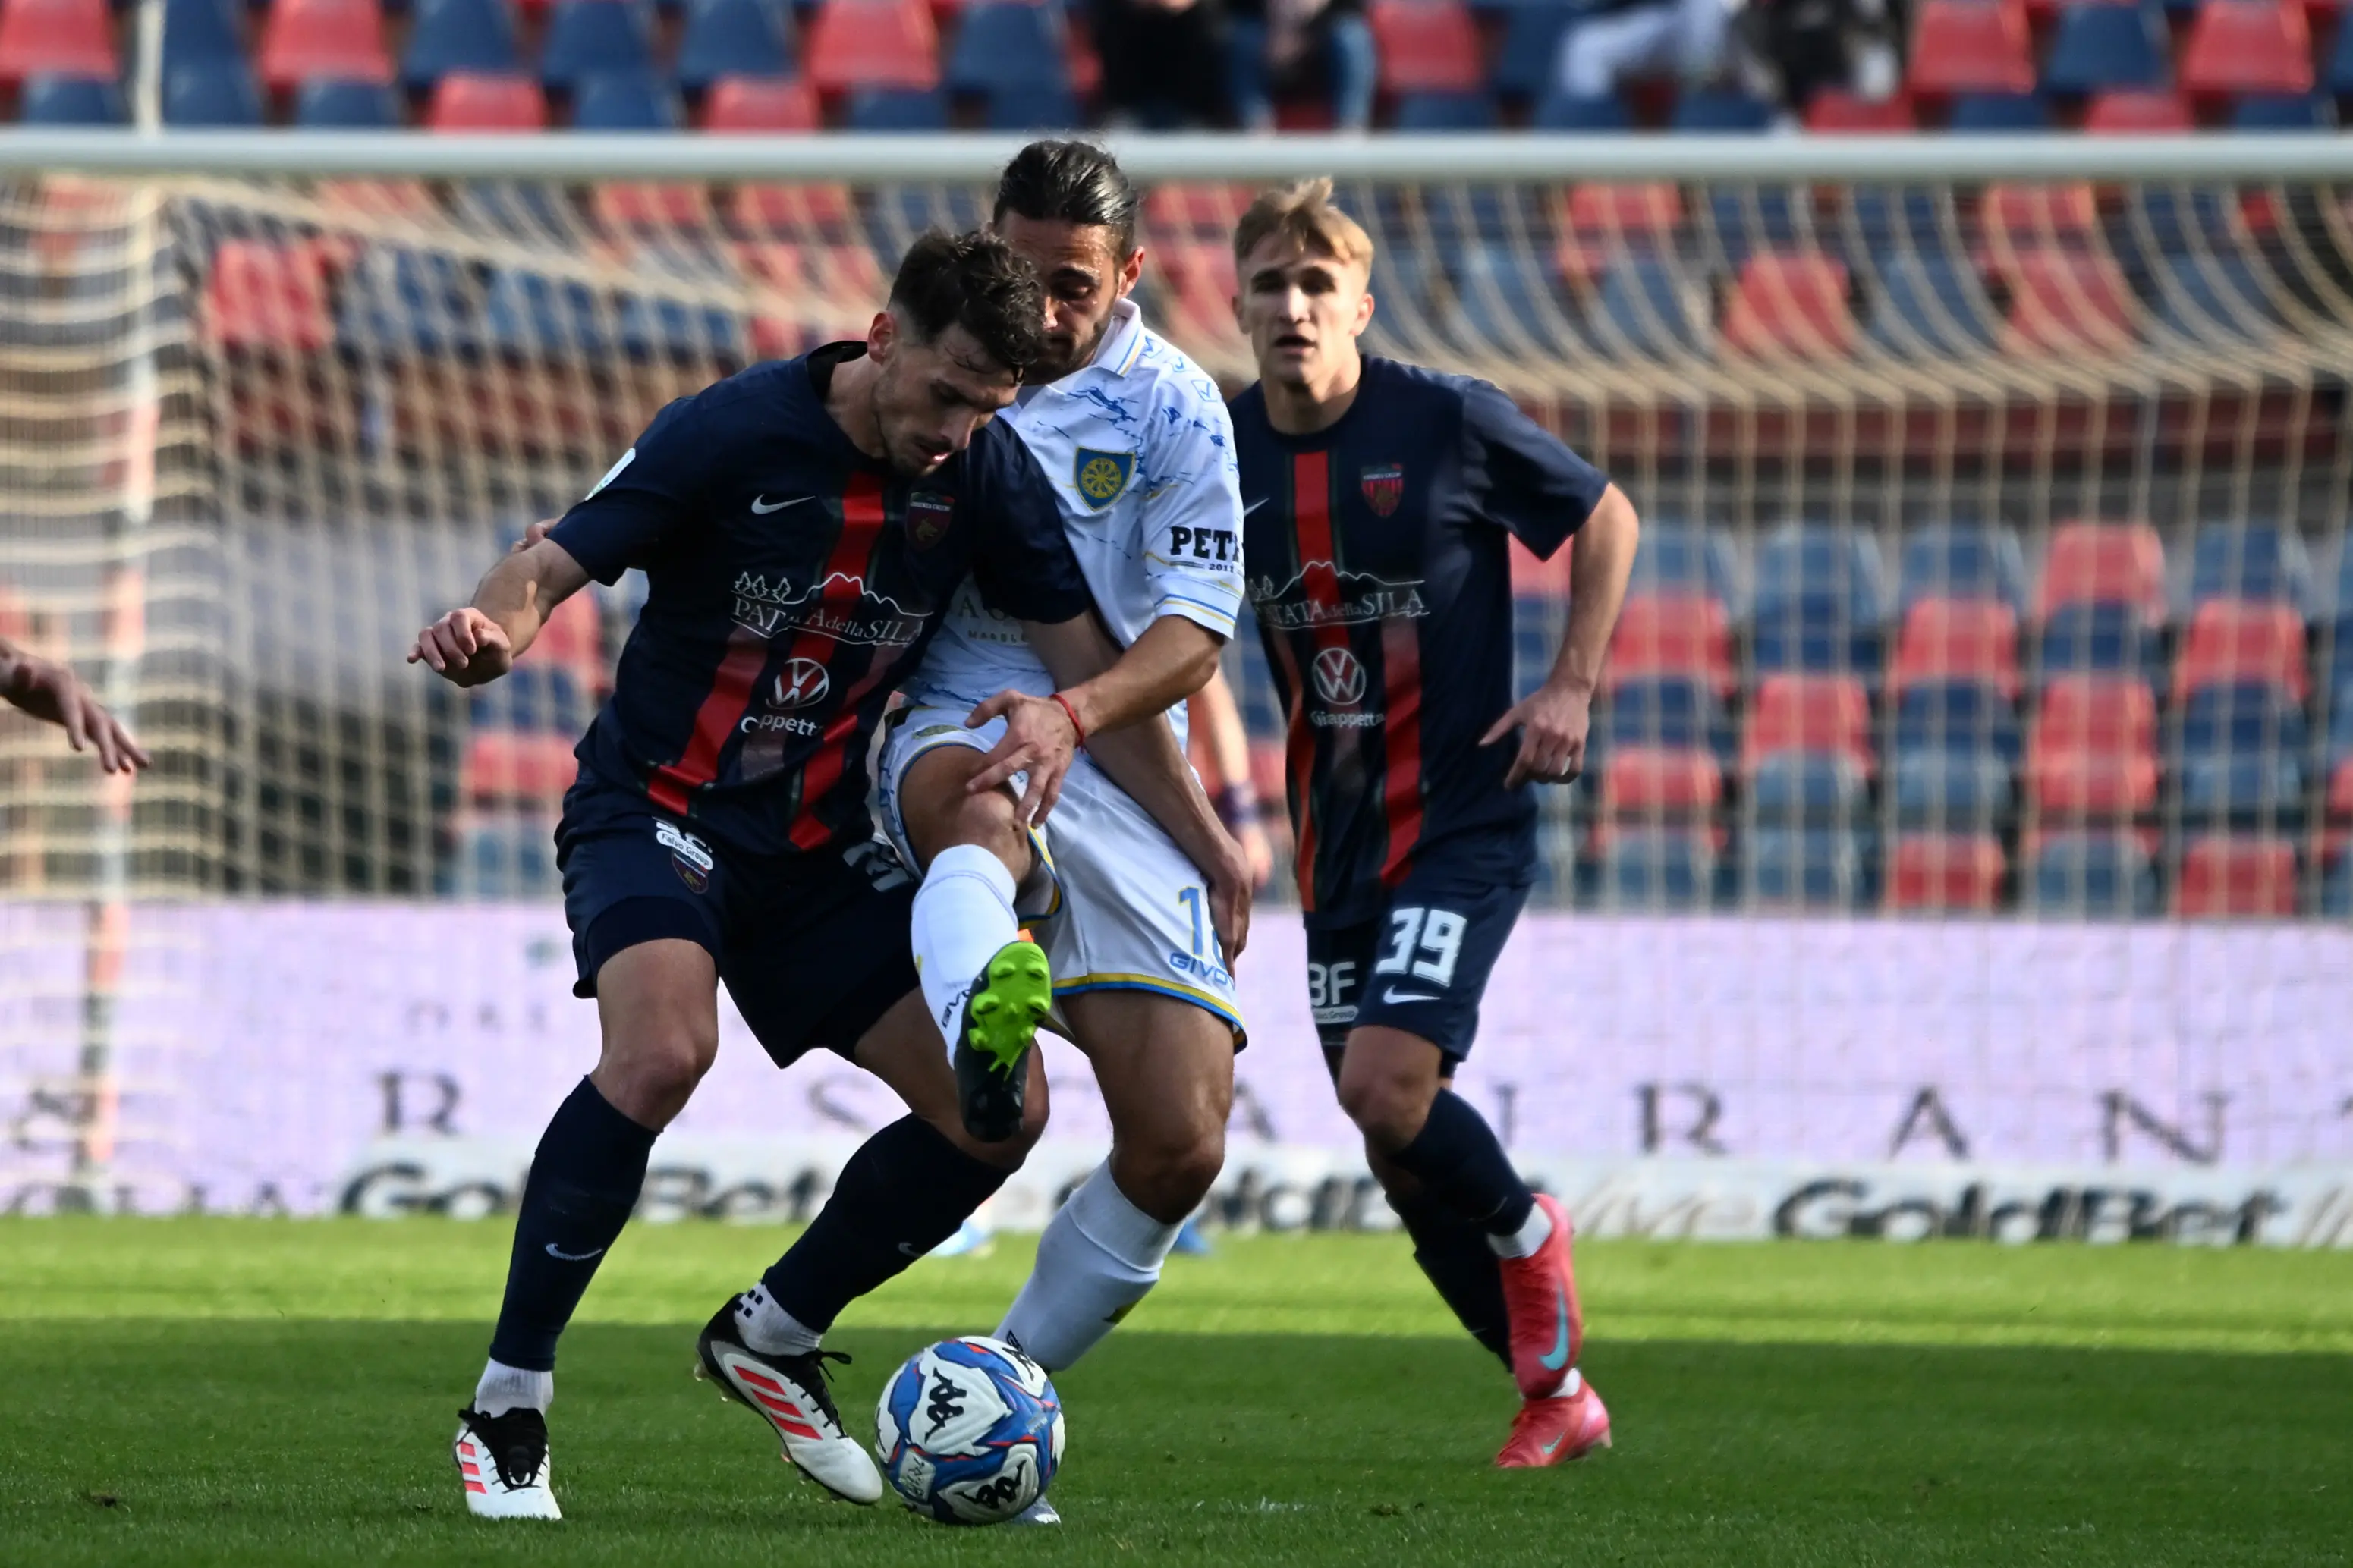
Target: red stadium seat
1200 274
760 104
1675 633
2235 641
792 209
1810 713
1640 209
515 765
2018 214
1959 639
2094 749
873 43
2240 877
486 101
1790 305
767 104
1427 45
264 296
2248 45
2340 791
338 38
2105 563
1661 781
2139 111
1536 579
64 37
574 637
2067 302
1971 45
624 206
1836 110
1205 211
1946 871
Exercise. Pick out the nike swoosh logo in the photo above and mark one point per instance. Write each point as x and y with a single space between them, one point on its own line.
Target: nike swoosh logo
1394 995
1256 504
1549 1449
1558 1357
911 1250
557 1252
763 510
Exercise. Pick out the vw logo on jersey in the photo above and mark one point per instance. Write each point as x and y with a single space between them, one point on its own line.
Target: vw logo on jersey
800 683
1339 679
1100 476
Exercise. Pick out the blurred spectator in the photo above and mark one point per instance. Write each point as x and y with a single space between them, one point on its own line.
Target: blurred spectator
1611 41
1292 44
1792 49
1163 63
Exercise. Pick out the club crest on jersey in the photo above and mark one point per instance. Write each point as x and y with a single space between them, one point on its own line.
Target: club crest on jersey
929 513
1384 486
1339 677
1100 476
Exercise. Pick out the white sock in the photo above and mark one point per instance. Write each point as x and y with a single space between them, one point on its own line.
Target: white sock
1099 1258
768 1328
505 1388
1569 1385
964 913
1524 1242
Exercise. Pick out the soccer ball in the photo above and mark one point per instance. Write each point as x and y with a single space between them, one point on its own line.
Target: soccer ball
969 1431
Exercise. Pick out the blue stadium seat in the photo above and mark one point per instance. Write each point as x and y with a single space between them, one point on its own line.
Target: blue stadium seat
1653 304
2106 44
1529 55
1710 112
1956 716
1796 788
1962 561
1998 113
2240 754
657 326
897 109
2218 295
2336 892
501 857
1931 306
1445 111
1666 710
71 100
2250 560
2336 76
218 96
2091 874
2341 613
1657 869
460 35
734 37
1254 688
1961 791
1009 45
1682 557
533 316
346 106
2275 111
596 37
2340 724
623 101
2098 640
1056 108
1504 291
399 303
1747 219
540 697
1895 220
1593 116
1820 602
201 32
1804 869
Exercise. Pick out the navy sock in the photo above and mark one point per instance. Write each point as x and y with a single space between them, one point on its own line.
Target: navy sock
905 1192
1457 1160
584 1180
1454 1254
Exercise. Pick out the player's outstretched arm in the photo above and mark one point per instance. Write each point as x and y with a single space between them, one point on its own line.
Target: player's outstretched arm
1555 718
481 641
48 690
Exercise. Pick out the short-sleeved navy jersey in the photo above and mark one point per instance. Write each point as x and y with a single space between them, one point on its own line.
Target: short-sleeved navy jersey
1377 558
793 582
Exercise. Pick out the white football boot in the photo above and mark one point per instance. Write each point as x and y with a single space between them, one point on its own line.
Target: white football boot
789 1393
502 1460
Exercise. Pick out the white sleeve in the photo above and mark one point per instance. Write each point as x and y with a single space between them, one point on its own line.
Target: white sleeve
1193 510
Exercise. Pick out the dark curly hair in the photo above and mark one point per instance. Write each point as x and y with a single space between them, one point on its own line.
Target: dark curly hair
976 282
1076 182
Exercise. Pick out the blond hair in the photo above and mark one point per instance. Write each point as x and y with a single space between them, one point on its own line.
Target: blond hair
1304 214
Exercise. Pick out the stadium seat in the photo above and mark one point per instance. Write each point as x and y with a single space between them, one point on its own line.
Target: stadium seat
1794 304
1941 871
2337 76
748 38
1713 112
2096 639
1444 111
535 317
2094 751
1970 47
481 101
2336 892
2023 214
511 766
1793 788
342 38
2253 561
1650 305
1528 60
623 101
745 103
346 106
1956 716
52 100
1682 782
2226 875
533 696
397 304
505 855
572 637
202 33
2139 111
2265 112
893 109
1959 639
1680 556
2104 45
2106 874
56 37
1820 602
1596 221
1951 789
2215 296
1657 869
1664 712
262 296
1931 306
459 36
1009 45
215 97
1566 111
1054 109
2099 561
2240 756
1673 633
2248 45
596 37
1809 713
1962 561
2232 640
1427 45
1837 111
1803 868
873 43
1996 113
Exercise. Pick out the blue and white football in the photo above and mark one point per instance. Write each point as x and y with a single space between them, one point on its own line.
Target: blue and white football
969 1431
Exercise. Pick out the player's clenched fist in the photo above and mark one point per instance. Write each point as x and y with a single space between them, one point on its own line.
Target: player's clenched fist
464 648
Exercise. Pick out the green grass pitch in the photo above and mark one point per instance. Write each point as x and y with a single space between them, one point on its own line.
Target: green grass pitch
261 1392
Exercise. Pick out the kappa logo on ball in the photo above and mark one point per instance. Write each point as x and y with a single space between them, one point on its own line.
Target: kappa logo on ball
1339 679
800 683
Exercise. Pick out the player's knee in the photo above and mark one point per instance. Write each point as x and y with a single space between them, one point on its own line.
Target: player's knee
989 821
1388 1108
649 1077
1168 1176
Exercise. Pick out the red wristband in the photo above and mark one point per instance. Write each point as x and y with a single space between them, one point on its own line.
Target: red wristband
1072 715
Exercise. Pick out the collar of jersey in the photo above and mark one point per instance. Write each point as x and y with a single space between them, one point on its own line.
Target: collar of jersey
1123 340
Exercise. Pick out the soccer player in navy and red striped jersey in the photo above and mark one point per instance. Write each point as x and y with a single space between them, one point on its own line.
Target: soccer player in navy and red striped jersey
1381 498
802 527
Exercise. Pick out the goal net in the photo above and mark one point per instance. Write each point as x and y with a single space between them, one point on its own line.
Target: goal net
1984 652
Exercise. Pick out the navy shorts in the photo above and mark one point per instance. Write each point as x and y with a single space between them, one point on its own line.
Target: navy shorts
812 947
1420 965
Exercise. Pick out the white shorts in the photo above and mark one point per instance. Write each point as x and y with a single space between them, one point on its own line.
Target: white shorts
1129 911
